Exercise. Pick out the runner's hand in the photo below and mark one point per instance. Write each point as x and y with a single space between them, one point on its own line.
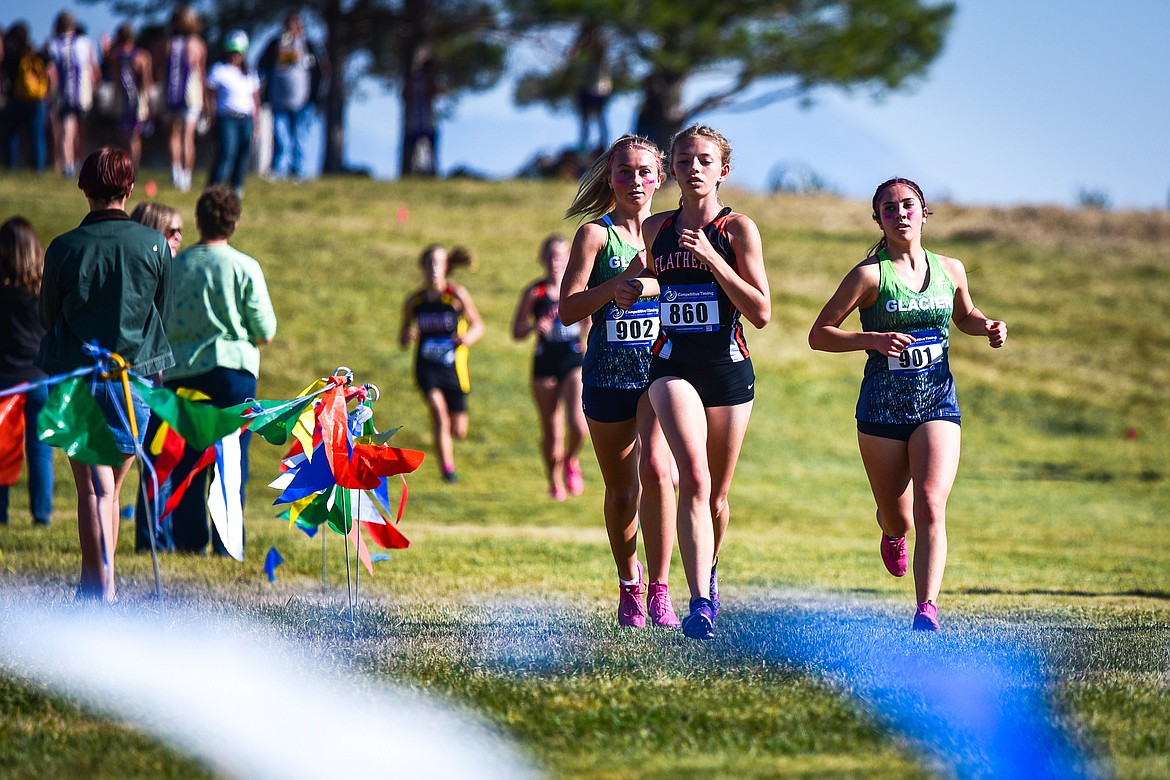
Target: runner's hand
996 333
892 344
627 293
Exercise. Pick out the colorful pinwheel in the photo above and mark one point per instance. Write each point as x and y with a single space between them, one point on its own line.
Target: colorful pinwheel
337 470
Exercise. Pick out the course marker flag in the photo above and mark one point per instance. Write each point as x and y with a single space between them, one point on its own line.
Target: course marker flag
271 561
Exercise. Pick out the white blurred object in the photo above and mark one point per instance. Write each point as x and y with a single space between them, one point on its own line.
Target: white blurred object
261 709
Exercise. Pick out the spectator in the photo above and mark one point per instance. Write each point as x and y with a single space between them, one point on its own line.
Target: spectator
233 101
124 315
164 219
29 80
75 60
421 137
22 263
129 67
222 314
183 70
591 63
169 222
290 71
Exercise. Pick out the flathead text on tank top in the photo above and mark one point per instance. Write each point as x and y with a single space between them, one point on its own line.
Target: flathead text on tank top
680 259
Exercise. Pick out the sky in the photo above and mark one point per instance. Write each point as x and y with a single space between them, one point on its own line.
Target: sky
1031 102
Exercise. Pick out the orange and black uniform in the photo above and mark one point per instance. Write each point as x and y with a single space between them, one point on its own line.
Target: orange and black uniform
559 351
701 337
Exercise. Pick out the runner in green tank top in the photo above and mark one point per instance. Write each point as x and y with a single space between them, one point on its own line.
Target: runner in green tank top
917 385
610 361
907 416
602 281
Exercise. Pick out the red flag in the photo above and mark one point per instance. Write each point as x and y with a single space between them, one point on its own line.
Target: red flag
370 463
333 420
205 460
365 465
387 536
402 500
167 447
11 437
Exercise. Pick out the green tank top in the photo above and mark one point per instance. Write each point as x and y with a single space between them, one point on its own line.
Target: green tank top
617 355
902 310
917 385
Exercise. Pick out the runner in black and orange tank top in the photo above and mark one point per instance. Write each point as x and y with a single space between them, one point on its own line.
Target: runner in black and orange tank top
709 265
556 371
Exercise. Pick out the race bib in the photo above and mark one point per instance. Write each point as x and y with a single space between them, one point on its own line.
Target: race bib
561 333
922 355
636 327
689 308
437 350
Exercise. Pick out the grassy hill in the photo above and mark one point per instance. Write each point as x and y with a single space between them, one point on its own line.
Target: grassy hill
1057 523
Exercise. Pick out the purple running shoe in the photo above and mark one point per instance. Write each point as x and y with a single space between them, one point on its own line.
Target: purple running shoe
700 624
715 589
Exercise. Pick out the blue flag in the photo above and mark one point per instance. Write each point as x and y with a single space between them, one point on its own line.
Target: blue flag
271 561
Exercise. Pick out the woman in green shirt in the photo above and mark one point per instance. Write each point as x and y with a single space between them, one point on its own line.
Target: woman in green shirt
222 314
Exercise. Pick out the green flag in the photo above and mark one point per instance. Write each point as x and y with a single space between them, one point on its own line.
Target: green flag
277 418
316 512
340 517
200 424
72 421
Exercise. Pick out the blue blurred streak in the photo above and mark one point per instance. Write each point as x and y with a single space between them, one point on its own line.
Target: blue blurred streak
975 703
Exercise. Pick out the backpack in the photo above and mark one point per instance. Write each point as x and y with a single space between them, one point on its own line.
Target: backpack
32 81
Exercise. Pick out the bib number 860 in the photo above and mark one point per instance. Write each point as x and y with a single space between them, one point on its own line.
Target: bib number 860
688 314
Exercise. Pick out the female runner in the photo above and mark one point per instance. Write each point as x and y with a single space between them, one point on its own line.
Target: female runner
601 282
907 413
709 263
441 317
556 370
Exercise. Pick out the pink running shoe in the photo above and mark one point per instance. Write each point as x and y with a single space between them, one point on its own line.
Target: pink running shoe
631 610
557 493
894 554
659 606
573 477
926 617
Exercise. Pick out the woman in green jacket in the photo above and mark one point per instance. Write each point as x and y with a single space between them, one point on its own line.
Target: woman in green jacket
106 281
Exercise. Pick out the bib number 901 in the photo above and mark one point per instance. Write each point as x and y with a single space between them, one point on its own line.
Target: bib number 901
919 356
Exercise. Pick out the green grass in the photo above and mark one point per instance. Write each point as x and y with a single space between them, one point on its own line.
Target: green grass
1057 522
